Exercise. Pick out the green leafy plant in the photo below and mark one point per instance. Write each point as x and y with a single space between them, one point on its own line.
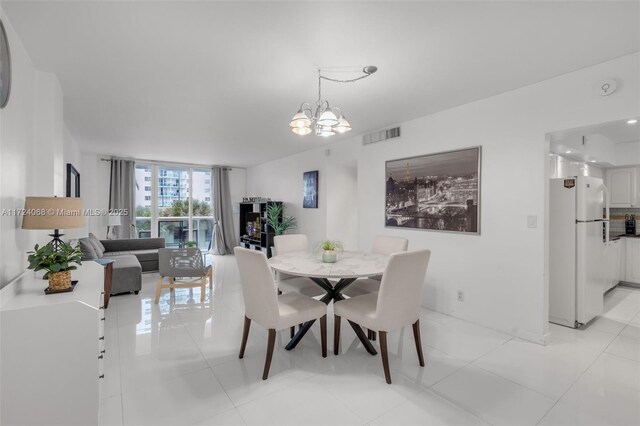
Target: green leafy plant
277 221
52 260
331 245
191 244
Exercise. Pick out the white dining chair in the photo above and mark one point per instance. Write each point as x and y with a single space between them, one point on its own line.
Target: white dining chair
286 282
382 244
270 310
396 305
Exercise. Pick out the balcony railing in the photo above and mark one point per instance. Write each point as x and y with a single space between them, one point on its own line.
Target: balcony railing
175 230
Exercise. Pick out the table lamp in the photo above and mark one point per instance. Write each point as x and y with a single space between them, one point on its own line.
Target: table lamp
53 213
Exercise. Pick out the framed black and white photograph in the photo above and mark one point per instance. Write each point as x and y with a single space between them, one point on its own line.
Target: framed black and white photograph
73 181
310 190
439 192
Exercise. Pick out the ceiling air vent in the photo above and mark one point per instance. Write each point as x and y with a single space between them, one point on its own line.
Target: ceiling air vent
380 136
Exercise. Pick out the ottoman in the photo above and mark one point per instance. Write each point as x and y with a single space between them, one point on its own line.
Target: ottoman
127 274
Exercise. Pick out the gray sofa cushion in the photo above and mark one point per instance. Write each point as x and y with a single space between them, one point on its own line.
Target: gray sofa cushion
108 254
97 245
146 255
96 240
132 244
88 253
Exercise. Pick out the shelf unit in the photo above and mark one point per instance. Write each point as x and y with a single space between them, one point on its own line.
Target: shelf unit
254 232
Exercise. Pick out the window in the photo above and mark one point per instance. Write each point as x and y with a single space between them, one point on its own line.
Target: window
143 201
176 206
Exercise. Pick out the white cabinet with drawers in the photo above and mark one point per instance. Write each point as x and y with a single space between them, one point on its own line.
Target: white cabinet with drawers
50 352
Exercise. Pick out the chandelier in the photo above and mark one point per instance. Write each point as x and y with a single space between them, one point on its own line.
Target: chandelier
324 120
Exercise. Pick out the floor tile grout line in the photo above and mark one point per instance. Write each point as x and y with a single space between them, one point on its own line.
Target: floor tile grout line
570 387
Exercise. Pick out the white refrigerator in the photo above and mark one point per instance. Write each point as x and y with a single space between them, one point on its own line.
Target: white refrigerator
578 231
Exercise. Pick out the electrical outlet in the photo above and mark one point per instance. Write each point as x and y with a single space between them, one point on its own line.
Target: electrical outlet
460 296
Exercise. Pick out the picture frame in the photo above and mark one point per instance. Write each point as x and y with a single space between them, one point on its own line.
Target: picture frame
310 190
435 192
5 67
73 181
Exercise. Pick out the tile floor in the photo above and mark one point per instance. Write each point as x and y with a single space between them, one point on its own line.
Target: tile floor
177 364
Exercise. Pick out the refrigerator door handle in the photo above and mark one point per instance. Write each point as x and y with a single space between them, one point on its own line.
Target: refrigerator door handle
605 192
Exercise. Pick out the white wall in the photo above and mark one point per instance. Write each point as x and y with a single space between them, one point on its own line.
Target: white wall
627 153
502 271
31 153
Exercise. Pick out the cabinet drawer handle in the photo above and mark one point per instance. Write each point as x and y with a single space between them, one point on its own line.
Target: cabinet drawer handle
103 351
101 338
101 357
101 376
102 319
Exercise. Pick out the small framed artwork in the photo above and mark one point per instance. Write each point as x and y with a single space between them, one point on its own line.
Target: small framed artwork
310 190
436 192
73 181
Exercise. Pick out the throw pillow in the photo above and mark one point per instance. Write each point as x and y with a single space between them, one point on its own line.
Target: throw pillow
97 244
88 253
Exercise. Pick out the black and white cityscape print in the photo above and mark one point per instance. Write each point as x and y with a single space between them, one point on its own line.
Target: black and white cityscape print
435 192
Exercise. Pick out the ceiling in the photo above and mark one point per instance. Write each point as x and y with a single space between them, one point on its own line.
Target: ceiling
217 82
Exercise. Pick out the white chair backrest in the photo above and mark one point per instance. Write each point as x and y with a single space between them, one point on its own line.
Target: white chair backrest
383 244
290 243
258 288
400 293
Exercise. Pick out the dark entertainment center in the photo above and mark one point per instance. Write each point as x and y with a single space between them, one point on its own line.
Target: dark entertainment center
254 231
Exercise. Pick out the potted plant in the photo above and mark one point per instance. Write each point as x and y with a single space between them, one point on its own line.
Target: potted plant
191 244
57 262
277 221
330 250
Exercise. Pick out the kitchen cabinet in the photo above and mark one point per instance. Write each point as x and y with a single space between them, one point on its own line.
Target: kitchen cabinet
633 260
623 187
612 261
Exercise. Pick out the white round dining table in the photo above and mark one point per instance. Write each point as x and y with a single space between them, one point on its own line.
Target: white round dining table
349 267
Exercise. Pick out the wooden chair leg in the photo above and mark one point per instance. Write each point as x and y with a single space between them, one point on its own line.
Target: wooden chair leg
384 355
416 338
211 278
203 288
336 334
158 289
245 336
323 335
293 331
270 344
373 335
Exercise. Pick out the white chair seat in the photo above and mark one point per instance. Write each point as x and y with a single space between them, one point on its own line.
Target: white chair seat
359 309
296 309
362 286
300 285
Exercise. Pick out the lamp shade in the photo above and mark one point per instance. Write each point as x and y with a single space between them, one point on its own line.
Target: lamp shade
300 120
301 130
52 213
328 118
343 125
